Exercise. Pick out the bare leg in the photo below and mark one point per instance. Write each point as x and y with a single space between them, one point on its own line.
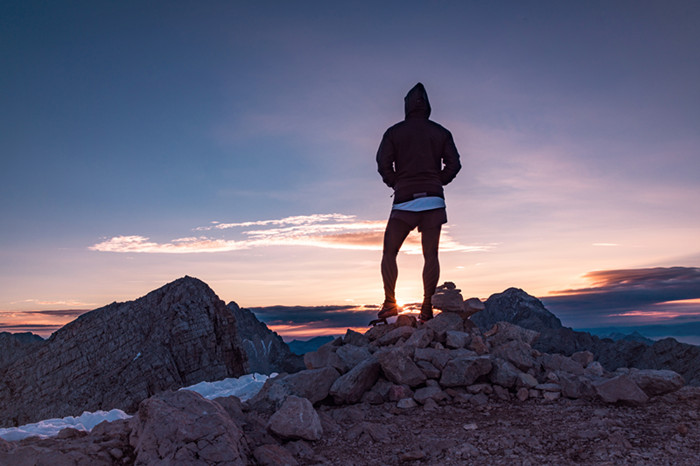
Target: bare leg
430 240
394 236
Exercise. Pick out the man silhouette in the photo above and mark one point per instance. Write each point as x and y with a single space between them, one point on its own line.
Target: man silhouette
416 158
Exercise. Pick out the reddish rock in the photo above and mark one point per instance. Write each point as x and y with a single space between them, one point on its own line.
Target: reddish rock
350 387
399 368
184 428
296 419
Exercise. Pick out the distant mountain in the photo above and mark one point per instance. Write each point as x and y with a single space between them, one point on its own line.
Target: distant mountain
302 347
516 306
265 349
119 355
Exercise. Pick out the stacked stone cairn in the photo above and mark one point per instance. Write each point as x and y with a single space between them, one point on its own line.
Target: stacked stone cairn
445 360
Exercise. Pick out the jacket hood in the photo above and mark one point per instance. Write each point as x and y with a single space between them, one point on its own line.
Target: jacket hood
416 103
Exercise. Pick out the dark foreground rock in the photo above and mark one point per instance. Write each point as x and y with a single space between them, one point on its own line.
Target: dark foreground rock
123 353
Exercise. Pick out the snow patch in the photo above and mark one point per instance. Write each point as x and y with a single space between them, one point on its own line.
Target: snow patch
244 387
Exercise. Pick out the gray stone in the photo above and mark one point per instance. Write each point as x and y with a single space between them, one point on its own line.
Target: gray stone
184 428
505 331
523 393
355 338
504 373
406 320
525 380
406 403
352 355
464 371
583 357
575 386
448 298
548 387
456 339
478 345
620 388
517 353
425 393
296 419
379 331
399 392
430 371
594 370
395 335
559 362
325 357
421 338
350 387
657 382
312 384
273 455
443 322
399 368
472 306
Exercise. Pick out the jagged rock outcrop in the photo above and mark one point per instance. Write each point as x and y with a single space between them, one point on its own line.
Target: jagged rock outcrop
517 307
15 345
119 355
265 349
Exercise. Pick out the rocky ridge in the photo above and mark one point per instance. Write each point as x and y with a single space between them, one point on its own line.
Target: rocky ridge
265 349
443 392
123 353
15 345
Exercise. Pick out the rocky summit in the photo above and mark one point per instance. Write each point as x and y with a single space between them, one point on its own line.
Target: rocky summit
123 353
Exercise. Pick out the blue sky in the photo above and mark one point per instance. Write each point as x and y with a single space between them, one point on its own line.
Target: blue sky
130 128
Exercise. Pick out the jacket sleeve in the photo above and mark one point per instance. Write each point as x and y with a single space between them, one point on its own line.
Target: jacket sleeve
450 159
385 161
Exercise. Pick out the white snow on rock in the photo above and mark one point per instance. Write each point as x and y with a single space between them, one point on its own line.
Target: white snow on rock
51 427
243 387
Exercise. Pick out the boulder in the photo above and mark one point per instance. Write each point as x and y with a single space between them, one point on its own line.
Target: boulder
355 338
182 427
559 362
448 298
443 322
399 368
395 335
461 372
352 355
657 382
472 306
621 388
421 338
432 392
504 373
312 384
325 357
350 387
296 419
517 353
456 339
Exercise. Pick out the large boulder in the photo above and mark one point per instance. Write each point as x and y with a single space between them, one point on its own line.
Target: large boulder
184 428
461 372
296 419
350 387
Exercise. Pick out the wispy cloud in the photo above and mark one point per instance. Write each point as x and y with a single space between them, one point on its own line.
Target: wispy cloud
335 231
627 295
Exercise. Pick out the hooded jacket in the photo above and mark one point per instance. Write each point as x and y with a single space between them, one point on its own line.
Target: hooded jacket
417 156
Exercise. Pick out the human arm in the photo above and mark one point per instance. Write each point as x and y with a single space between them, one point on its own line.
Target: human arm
450 159
385 161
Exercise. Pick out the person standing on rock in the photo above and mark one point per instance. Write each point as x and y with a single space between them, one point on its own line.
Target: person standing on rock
416 158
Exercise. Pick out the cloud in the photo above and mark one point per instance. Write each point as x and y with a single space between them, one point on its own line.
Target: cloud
627 294
333 231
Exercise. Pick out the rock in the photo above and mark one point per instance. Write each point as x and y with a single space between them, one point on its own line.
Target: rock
478 345
464 371
620 388
273 455
296 419
355 338
15 345
456 339
517 353
575 386
119 355
503 332
395 335
325 357
399 368
437 357
265 349
443 322
523 393
558 362
430 371
472 306
184 428
501 393
656 382
517 307
485 388
551 396
350 387
406 403
594 370
423 394
352 355
399 392
503 373
525 380
583 357
421 338
548 387
448 298
406 320
379 331
312 384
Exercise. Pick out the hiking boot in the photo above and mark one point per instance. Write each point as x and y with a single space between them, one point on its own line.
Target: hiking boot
426 311
389 309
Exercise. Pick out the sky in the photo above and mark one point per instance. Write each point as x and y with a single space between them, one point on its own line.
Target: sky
236 141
